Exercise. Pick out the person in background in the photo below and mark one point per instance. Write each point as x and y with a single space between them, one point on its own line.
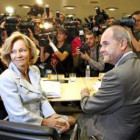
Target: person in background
62 18
78 22
76 42
91 55
110 21
3 33
20 87
37 29
135 33
3 36
58 56
113 112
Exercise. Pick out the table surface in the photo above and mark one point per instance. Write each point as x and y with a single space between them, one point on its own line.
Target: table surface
71 91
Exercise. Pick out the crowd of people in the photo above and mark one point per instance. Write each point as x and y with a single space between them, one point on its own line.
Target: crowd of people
112 113
64 57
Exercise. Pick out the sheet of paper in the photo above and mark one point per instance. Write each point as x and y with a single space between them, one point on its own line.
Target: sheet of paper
97 85
51 89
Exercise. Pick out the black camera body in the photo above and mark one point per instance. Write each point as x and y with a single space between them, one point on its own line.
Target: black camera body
82 38
71 24
11 24
83 49
25 25
57 19
129 22
36 10
100 16
43 38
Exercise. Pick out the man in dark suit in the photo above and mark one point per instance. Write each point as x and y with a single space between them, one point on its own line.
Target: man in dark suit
113 112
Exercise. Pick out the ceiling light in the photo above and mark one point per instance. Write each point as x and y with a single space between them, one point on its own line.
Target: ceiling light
25 6
112 8
9 10
70 15
94 2
39 1
69 7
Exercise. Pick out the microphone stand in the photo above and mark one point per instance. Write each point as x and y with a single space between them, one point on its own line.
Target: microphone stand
61 81
56 72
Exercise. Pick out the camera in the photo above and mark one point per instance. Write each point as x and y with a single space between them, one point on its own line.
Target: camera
129 22
43 38
82 38
99 20
70 23
81 35
100 16
57 20
36 10
11 24
24 25
82 49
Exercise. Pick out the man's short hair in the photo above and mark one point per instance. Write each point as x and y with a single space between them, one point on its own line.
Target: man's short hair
89 32
78 19
63 30
136 13
120 32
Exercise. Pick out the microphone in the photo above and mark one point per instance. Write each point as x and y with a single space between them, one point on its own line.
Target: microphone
47 10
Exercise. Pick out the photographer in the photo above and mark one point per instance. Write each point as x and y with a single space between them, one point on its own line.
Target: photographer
135 34
62 18
91 55
3 33
110 21
58 56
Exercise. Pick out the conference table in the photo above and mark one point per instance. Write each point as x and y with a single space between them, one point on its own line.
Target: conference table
71 91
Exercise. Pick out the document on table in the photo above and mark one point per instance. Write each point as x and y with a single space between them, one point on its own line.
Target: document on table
97 85
51 89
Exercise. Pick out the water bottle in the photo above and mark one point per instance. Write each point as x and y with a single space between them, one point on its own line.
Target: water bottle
87 72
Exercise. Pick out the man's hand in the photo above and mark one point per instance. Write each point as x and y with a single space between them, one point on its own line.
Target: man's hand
78 50
31 36
85 56
85 90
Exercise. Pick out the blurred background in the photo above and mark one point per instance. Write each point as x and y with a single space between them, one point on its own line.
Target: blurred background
79 8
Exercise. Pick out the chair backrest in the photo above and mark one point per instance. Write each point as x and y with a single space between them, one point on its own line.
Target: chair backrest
74 135
20 131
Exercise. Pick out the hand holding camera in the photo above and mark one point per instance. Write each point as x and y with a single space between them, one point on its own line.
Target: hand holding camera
83 53
78 50
85 56
52 44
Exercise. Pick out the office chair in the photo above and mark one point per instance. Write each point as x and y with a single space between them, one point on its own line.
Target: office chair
20 131
74 135
136 135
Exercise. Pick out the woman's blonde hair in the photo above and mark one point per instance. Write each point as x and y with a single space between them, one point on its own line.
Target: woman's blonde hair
8 45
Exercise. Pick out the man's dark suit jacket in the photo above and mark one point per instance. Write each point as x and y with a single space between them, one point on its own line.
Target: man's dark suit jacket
113 113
